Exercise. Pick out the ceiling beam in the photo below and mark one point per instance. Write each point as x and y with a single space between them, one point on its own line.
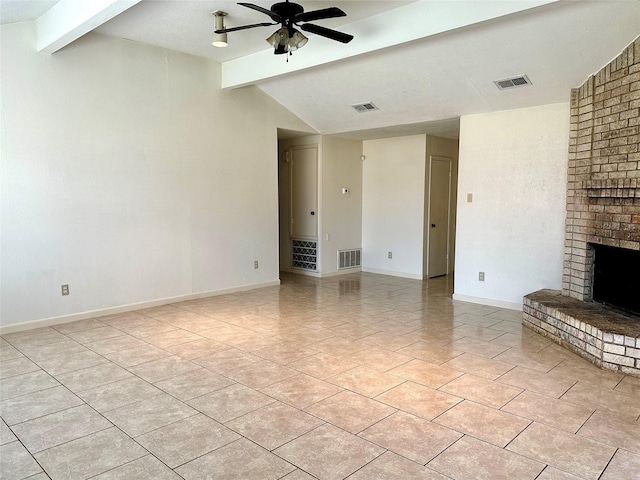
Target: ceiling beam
419 20
68 20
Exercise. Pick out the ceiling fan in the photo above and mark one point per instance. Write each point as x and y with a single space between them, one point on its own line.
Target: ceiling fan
289 15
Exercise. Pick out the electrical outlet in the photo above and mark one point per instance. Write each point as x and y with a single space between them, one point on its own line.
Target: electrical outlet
255 264
64 289
390 255
481 276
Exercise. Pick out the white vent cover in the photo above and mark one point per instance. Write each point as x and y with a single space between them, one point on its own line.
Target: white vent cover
364 107
519 81
349 258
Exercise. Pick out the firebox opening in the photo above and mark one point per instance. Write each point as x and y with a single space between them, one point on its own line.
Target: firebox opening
616 278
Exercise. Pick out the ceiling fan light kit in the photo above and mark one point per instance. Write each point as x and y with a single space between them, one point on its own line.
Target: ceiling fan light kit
289 15
219 39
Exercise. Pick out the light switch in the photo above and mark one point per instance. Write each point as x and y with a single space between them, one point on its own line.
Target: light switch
469 197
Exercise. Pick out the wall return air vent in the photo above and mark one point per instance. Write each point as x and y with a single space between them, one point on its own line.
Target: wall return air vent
507 83
364 107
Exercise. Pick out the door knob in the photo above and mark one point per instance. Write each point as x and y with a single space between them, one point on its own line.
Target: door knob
313 213
433 225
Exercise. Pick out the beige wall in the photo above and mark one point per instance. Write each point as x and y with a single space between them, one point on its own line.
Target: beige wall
129 175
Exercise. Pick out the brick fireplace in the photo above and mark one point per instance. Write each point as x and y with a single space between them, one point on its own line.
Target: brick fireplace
603 209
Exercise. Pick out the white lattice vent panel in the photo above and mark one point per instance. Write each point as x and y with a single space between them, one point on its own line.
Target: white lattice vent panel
349 258
304 254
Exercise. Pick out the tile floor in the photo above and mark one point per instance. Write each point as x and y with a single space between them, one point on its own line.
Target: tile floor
360 376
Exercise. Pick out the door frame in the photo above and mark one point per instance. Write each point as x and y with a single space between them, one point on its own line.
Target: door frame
428 225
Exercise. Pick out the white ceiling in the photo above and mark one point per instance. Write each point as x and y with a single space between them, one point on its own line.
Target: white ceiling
423 63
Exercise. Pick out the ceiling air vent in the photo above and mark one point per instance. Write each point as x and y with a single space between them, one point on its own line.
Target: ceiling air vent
364 107
519 81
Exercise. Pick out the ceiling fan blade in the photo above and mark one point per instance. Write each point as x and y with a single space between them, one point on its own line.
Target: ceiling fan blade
274 16
244 27
327 32
332 12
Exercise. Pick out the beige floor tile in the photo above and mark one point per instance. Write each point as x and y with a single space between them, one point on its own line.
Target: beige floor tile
17 366
241 460
329 453
174 337
410 436
392 466
261 374
149 414
418 400
323 365
115 344
549 411
551 473
521 340
472 459
147 327
88 456
338 347
365 381
79 325
184 440
16 462
144 468
480 366
37 338
477 332
481 390
61 427
226 361
430 353
136 356
482 422
387 340
196 349
274 425
624 465
27 383
88 378
230 402
7 352
606 400
26 407
478 347
57 349
570 453
614 431
379 358
629 385
194 384
425 373
70 363
298 475
118 394
301 391
6 435
538 382
532 360
95 334
164 368
350 411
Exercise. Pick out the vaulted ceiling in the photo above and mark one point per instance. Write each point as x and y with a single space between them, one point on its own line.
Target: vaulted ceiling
422 63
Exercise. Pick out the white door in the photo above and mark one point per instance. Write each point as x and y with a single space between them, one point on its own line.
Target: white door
439 215
304 192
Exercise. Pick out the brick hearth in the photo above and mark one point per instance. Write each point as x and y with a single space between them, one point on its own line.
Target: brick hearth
603 208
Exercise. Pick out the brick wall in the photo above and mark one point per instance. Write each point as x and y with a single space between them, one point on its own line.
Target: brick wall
603 189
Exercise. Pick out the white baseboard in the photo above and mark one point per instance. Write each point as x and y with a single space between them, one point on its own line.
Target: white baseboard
412 276
488 301
47 322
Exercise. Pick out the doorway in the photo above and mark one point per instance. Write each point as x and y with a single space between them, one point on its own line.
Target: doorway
439 217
